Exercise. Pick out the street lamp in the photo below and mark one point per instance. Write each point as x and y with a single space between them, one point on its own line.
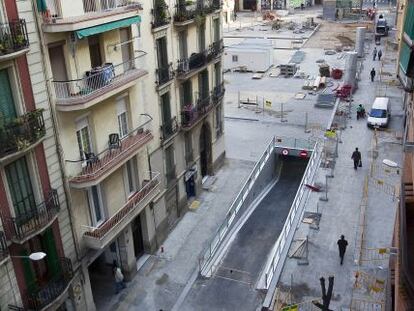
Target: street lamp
33 256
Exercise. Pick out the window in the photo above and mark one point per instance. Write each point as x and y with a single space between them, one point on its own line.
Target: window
202 38
216 27
203 88
186 96
219 122
235 58
7 107
169 163
162 55
217 73
83 137
131 181
20 186
182 39
122 113
95 51
188 148
96 206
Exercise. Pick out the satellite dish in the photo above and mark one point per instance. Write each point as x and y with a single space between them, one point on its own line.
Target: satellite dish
389 163
37 256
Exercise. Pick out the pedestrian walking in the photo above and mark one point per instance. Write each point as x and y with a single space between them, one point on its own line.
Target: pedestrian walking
372 73
356 156
379 55
342 244
119 277
374 53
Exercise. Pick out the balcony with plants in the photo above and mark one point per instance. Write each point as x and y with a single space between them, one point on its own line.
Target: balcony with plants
21 134
188 11
100 237
14 40
96 85
36 219
93 168
186 67
193 114
64 16
160 14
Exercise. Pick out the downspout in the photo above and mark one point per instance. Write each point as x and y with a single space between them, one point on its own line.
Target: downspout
56 136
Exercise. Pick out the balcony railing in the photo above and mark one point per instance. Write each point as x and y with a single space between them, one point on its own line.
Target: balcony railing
13 37
169 128
187 10
190 115
4 251
52 12
20 133
195 61
164 74
99 237
46 295
26 224
161 15
217 93
96 82
215 49
96 167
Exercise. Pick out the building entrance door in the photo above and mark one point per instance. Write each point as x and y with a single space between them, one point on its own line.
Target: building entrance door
137 234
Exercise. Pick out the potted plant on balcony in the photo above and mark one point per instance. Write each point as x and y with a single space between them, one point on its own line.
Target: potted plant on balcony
20 41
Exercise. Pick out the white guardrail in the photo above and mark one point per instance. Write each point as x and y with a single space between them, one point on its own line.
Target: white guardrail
296 210
219 236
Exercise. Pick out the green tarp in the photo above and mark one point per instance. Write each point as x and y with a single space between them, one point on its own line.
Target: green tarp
406 57
86 32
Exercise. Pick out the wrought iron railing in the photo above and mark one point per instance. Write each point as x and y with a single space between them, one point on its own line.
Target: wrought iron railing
100 232
190 115
169 128
58 284
161 15
196 60
164 74
13 37
19 133
215 49
52 10
25 224
97 165
187 10
3 246
94 81
217 93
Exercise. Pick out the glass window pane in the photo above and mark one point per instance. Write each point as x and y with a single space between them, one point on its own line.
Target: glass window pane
96 204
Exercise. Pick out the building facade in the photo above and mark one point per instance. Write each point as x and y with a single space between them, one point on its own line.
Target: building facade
403 266
34 214
136 91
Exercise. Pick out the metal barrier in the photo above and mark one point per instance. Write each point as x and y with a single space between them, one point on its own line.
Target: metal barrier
285 237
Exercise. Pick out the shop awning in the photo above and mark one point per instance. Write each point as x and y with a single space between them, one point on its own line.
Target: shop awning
86 32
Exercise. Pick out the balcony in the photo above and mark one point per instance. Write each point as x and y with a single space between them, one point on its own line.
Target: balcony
97 85
21 134
161 15
52 294
187 11
22 227
67 16
191 115
168 129
215 50
99 238
95 168
4 251
14 40
164 75
218 93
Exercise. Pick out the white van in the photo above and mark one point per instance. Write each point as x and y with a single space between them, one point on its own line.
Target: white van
380 113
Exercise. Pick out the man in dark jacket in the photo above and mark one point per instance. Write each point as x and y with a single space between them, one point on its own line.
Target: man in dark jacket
356 156
342 244
372 73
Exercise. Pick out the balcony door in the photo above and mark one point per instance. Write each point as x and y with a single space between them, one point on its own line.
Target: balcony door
217 74
59 72
182 43
83 136
186 94
7 107
166 114
162 54
203 88
20 188
216 28
96 205
95 51
126 48
202 38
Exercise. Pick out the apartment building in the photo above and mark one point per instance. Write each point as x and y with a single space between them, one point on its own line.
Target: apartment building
34 215
136 91
403 266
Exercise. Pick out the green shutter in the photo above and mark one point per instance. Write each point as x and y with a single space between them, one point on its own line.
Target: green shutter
29 275
52 258
406 55
409 20
20 186
7 108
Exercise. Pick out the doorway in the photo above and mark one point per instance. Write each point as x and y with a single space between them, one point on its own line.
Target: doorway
126 48
205 150
137 235
190 188
249 5
172 208
59 72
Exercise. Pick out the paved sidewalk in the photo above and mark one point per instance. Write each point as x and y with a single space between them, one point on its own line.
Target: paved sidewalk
162 278
340 215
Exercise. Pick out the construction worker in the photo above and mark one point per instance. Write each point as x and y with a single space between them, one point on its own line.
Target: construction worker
342 244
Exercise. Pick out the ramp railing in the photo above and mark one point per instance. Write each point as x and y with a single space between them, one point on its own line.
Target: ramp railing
221 232
282 244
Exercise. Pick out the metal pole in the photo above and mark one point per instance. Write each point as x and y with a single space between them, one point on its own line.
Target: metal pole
281 110
336 145
325 198
306 123
238 98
